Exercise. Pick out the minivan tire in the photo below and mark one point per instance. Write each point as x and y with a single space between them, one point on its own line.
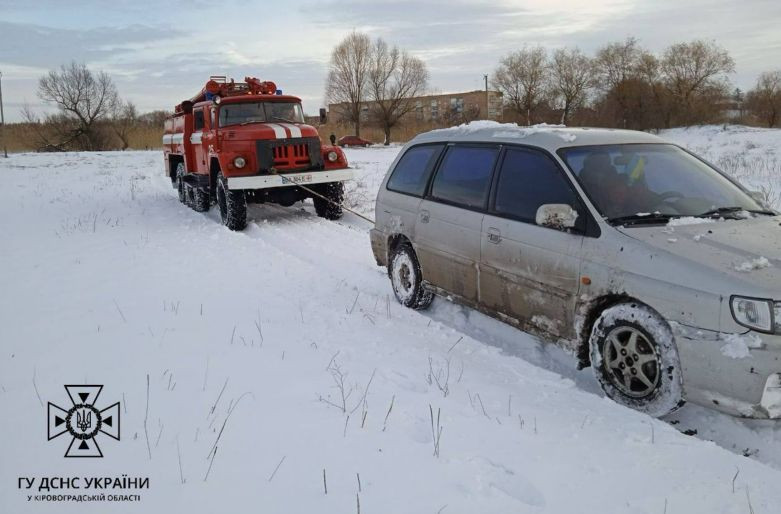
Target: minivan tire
407 278
635 359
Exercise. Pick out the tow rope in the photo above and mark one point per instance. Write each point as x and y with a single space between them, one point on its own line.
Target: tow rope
308 190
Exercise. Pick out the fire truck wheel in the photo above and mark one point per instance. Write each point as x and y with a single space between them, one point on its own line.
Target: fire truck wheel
188 195
233 205
180 182
332 210
200 201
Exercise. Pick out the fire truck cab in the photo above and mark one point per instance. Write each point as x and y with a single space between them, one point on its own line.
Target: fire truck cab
245 142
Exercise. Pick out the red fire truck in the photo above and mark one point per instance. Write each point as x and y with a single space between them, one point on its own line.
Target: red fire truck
245 142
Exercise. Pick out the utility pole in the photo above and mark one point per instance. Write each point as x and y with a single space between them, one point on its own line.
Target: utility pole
2 118
487 108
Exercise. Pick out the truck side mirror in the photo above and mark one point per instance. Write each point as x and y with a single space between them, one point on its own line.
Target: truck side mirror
556 215
323 116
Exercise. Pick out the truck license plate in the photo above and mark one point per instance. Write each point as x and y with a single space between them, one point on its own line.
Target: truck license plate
302 179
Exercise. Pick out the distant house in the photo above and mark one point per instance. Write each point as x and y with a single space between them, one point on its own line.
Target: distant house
434 109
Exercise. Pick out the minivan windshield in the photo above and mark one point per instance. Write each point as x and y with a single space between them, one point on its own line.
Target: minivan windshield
260 112
649 183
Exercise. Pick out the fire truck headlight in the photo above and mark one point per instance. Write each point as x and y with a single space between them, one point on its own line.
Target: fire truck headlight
333 156
239 162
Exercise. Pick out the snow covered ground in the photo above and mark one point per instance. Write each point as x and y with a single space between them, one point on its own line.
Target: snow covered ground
245 342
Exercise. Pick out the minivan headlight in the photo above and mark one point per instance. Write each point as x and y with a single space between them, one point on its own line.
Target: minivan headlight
755 313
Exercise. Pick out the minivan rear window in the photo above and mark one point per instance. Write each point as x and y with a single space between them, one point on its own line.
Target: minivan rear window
413 169
464 176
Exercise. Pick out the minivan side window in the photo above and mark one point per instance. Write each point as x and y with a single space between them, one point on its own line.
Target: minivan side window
464 177
527 180
413 169
198 120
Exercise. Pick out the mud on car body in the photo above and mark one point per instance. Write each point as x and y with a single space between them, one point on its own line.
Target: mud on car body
652 266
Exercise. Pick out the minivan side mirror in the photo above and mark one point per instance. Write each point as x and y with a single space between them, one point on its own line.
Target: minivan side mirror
556 215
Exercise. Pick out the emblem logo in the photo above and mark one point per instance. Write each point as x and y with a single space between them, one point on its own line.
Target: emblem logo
83 421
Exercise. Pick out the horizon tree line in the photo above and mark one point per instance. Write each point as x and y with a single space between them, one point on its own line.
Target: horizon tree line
622 85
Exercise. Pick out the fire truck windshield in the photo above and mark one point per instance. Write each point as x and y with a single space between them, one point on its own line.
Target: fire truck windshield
260 112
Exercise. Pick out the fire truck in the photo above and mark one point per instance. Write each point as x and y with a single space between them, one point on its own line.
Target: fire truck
236 143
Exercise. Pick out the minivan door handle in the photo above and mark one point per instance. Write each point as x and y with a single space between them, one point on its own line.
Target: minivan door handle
424 216
494 236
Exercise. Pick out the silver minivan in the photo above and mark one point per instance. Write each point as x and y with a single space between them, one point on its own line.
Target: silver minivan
652 266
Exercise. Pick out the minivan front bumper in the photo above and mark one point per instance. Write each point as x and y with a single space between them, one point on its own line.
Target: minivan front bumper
739 374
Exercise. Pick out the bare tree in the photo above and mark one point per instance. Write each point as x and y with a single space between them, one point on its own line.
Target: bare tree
83 98
521 77
52 134
124 120
616 66
348 73
650 75
395 77
617 62
694 69
764 101
572 75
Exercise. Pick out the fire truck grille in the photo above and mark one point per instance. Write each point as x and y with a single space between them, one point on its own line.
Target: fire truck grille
289 154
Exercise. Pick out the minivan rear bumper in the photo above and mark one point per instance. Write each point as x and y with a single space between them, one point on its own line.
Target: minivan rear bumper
739 374
379 246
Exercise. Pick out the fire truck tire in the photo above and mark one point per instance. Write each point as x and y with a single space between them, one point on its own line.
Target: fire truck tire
332 210
233 205
188 195
200 199
180 182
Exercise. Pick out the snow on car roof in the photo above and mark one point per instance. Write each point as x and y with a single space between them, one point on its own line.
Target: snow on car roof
551 137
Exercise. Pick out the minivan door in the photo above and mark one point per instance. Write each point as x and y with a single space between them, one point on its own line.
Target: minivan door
531 272
450 219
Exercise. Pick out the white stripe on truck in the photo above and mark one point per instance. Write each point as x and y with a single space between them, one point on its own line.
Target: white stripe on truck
173 139
294 130
279 131
195 138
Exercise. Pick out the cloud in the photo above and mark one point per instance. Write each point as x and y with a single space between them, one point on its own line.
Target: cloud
472 35
156 65
38 46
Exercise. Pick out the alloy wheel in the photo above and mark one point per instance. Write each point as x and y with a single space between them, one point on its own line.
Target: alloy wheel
631 362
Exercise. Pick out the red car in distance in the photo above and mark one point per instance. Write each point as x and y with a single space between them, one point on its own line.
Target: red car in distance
353 141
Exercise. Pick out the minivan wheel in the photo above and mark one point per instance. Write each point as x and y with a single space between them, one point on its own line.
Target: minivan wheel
635 359
407 279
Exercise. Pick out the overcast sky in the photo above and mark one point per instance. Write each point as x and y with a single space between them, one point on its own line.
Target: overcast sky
160 53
